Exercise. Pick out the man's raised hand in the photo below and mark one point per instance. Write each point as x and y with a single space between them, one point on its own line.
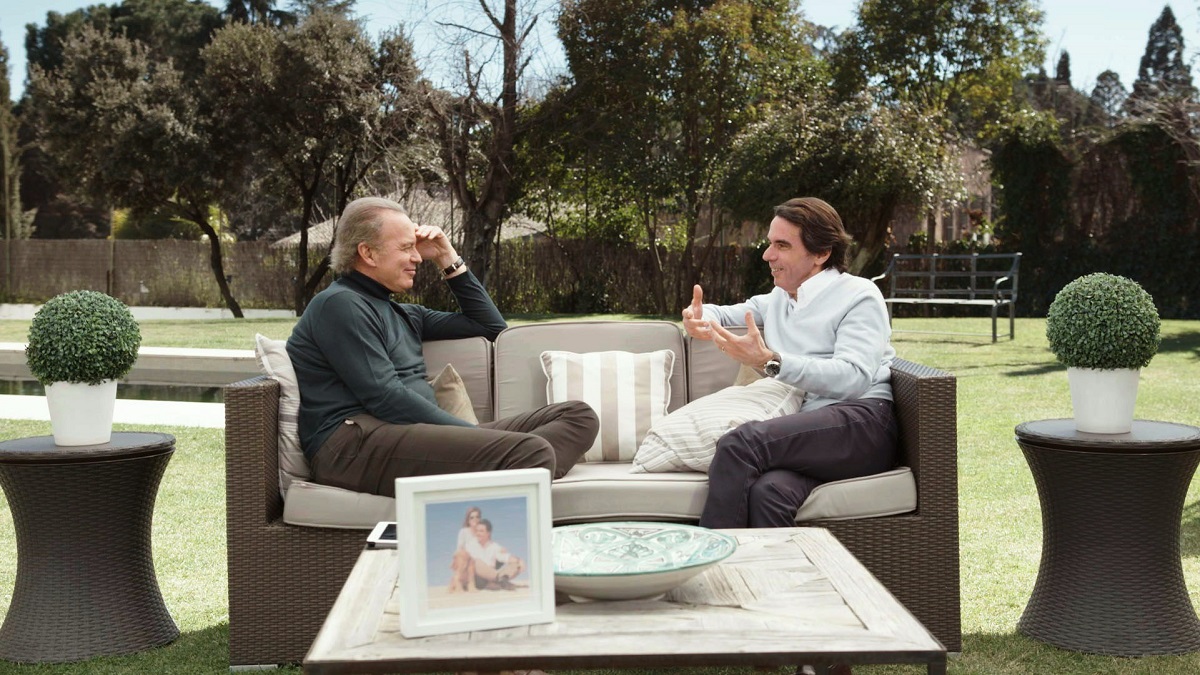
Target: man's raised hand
693 316
433 244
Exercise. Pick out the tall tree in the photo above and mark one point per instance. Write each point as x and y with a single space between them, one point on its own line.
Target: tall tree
318 104
129 130
10 154
661 89
258 11
869 160
954 57
1062 72
478 130
1162 71
1107 100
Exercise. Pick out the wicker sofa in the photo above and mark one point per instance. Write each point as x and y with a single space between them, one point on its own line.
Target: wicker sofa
288 557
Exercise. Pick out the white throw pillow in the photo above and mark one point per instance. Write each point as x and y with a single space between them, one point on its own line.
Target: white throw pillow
628 391
273 358
686 440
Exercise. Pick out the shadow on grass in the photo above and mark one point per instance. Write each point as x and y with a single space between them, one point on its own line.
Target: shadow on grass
1184 342
201 651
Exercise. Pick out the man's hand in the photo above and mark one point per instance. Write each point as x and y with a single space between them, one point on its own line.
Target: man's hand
749 349
433 244
693 316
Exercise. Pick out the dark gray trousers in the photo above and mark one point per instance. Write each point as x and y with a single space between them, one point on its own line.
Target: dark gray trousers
763 471
366 454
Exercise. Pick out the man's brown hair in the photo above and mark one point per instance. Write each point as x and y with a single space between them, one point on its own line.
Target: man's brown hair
820 226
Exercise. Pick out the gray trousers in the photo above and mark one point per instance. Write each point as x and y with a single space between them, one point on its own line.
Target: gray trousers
366 454
763 471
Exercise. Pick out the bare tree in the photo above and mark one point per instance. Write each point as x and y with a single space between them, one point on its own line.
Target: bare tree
478 131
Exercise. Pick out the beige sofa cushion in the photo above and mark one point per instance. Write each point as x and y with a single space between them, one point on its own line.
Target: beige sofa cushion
628 391
273 359
521 384
607 491
467 384
451 395
686 440
472 359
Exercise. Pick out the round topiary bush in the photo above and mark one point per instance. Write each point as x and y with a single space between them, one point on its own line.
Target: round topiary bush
82 336
1103 321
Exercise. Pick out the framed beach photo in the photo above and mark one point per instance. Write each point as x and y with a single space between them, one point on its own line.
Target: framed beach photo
474 551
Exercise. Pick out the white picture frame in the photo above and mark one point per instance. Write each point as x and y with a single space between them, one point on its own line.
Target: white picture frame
448 583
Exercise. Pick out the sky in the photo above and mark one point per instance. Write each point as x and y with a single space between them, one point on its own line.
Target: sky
1099 34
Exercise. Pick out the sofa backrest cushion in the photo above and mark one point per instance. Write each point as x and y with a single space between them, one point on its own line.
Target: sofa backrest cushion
520 384
708 368
472 359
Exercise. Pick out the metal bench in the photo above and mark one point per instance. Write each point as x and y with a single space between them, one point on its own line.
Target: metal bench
982 280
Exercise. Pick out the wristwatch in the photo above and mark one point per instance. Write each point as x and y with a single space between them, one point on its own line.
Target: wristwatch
771 368
454 266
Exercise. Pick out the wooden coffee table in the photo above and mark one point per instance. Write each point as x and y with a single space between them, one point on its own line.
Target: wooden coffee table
788 596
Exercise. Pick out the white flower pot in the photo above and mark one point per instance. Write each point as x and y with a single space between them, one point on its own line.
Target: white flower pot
1103 399
81 414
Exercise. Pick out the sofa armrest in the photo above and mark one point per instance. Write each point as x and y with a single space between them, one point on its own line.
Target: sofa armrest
252 497
927 410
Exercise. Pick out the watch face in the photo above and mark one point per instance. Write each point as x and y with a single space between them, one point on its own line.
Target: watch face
771 369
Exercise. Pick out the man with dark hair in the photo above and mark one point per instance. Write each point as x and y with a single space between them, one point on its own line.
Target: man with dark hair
823 331
491 566
367 413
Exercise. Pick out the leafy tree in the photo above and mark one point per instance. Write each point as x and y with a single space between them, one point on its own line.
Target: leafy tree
10 155
258 11
318 105
1062 72
127 129
1108 100
172 30
661 89
868 160
169 29
953 57
1162 71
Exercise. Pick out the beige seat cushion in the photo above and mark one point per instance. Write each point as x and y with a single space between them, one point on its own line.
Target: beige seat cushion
607 491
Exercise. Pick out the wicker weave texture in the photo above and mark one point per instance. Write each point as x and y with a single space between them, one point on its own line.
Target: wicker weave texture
283 579
916 556
85 581
1110 579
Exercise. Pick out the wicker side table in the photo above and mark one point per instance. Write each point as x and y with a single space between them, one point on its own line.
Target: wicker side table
85 582
1110 579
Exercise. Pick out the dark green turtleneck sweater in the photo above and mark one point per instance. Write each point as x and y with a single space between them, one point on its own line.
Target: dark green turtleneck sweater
356 351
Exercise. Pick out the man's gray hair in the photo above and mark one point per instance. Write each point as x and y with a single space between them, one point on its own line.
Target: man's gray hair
359 224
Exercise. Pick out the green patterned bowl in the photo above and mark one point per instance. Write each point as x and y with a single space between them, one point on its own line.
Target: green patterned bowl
626 561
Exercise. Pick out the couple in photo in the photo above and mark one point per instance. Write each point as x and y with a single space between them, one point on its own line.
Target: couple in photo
479 562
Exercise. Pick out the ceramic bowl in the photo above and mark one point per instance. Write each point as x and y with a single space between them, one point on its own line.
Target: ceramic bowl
626 561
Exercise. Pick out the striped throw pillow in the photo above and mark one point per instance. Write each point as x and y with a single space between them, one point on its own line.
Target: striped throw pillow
686 440
277 365
628 391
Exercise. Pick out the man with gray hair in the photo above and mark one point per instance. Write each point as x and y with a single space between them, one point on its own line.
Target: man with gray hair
367 413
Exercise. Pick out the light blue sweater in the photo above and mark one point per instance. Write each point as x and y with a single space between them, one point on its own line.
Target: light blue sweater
835 348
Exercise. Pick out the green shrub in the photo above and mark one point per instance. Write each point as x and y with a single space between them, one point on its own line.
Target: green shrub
82 336
1103 321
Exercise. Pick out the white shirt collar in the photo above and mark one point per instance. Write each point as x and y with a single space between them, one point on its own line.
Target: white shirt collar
813 286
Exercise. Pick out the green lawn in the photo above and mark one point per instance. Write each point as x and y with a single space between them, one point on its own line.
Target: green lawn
999 386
